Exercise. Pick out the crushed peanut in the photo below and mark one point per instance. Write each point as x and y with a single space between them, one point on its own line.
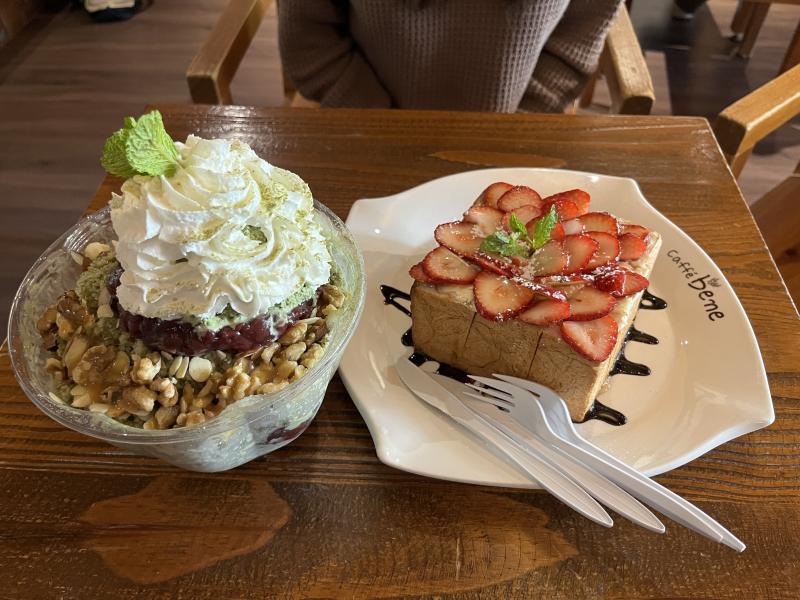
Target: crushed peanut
158 390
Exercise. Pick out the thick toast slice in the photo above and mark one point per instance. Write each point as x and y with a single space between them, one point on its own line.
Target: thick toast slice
446 327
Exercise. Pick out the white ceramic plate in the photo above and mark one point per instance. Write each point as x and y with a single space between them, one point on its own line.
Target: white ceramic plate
707 385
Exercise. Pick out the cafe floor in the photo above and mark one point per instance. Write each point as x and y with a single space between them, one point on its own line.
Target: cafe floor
66 83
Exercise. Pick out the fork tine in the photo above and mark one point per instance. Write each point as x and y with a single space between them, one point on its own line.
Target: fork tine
531 386
494 393
488 400
498 384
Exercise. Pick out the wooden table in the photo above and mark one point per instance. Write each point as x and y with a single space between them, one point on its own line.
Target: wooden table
322 518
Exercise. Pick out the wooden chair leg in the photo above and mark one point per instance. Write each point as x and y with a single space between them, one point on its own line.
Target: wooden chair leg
738 162
588 91
740 18
753 28
793 53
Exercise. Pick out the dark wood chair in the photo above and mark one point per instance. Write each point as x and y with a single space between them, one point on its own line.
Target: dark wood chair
738 128
747 22
211 71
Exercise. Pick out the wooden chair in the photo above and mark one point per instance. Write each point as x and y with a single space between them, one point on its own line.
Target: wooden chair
747 22
214 66
738 128
623 66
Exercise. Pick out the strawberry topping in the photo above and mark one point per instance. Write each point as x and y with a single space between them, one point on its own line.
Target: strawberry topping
573 227
637 230
486 218
566 209
556 234
621 282
594 339
578 197
607 251
494 263
599 221
580 249
631 247
491 194
418 273
524 213
442 266
497 298
589 303
460 237
547 260
545 312
519 195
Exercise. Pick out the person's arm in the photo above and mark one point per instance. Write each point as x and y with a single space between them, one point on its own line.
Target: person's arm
570 55
321 58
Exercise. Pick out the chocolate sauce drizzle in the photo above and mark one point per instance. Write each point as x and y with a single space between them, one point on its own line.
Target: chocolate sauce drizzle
622 366
651 302
390 296
606 414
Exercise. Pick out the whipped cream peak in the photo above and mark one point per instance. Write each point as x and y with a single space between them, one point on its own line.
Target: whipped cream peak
227 228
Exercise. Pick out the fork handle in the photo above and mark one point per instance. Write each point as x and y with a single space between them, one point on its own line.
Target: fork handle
535 467
651 492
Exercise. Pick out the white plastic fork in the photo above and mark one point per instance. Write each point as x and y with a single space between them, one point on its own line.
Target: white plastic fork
521 399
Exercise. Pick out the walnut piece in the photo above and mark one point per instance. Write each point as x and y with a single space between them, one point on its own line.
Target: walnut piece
137 400
146 368
167 392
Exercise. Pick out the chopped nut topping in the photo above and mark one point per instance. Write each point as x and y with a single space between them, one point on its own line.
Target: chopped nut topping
160 389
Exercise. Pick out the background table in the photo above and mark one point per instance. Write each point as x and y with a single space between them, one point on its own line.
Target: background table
322 518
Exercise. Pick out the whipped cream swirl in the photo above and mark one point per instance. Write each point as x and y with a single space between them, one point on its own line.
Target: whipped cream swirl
227 228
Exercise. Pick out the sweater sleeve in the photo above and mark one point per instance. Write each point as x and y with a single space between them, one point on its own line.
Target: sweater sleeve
570 55
320 57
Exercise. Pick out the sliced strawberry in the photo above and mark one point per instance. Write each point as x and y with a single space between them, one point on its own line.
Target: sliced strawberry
607 251
589 303
580 249
442 266
557 232
545 312
491 194
579 197
592 339
540 289
621 282
524 213
599 221
566 209
550 259
494 263
631 247
418 273
497 298
573 227
486 218
637 230
519 195
460 237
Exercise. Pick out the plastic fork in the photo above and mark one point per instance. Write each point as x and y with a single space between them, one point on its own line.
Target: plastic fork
543 412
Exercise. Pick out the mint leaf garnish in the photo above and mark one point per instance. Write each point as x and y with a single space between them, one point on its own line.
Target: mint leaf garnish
141 147
149 149
518 227
544 228
113 159
505 244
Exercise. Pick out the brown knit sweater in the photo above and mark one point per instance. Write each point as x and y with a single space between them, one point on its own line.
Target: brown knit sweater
490 55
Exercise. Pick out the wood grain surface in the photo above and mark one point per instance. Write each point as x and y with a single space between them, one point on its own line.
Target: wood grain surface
322 518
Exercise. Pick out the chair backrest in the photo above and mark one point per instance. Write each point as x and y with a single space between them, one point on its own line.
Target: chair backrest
210 73
213 67
625 69
755 116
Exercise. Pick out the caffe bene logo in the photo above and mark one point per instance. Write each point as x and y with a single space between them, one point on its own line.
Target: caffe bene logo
701 284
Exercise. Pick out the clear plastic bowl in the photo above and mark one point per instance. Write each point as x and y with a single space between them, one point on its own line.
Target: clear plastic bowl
253 426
